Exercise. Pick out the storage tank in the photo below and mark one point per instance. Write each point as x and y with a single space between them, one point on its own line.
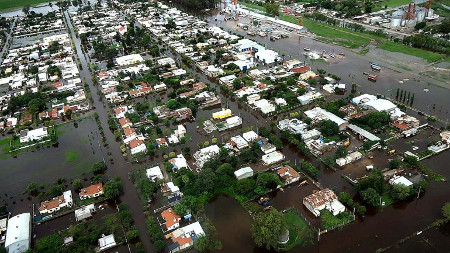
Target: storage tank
396 21
399 13
411 23
420 14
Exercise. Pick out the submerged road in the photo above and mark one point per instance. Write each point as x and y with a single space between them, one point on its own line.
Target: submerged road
120 167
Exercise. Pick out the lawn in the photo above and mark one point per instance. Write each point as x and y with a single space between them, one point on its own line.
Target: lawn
393 3
394 47
300 234
254 6
331 222
332 34
6 5
71 156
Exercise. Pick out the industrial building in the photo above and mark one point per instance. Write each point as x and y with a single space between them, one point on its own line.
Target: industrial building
18 233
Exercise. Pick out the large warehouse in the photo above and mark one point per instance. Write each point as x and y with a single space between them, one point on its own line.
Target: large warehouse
18 233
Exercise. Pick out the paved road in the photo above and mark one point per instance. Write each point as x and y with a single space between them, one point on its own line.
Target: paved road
8 38
120 167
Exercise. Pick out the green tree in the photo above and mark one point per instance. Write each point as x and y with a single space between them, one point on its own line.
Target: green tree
180 209
273 9
328 128
267 227
32 188
446 210
77 184
394 164
237 84
113 188
98 168
267 180
202 243
400 192
371 197
341 151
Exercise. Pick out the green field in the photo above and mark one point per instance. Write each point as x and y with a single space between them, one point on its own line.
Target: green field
71 156
7 5
394 47
300 234
340 36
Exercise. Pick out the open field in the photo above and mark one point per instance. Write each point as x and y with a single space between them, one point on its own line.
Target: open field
347 38
6 5
394 47
300 234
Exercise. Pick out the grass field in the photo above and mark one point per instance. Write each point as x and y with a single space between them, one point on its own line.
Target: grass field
7 5
394 47
341 36
300 234
72 156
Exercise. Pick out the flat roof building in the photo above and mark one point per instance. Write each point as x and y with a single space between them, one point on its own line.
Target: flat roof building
18 233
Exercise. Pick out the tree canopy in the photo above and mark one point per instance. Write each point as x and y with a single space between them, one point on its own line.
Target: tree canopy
267 227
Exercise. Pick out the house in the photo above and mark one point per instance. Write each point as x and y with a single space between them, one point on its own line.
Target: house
184 237
182 114
267 56
170 188
18 233
178 163
264 106
223 114
155 174
309 97
55 204
180 131
205 154
84 212
213 71
400 180
161 142
129 59
349 158
33 135
137 146
238 142
318 114
250 136
267 148
92 191
288 174
227 80
243 173
125 122
323 199
160 87
272 158
106 242
172 220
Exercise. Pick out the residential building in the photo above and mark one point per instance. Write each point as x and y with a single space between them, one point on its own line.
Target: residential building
400 180
205 154
84 212
155 174
272 158
287 174
33 135
92 191
172 220
243 173
129 59
137 146
318 114
106 242
184 237
178 163
55 204
323 199
223 114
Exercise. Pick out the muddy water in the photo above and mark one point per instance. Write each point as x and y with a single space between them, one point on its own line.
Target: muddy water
350 69
78 149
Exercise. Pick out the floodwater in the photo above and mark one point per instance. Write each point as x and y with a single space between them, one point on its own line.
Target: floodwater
351 69
380 228
77 150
